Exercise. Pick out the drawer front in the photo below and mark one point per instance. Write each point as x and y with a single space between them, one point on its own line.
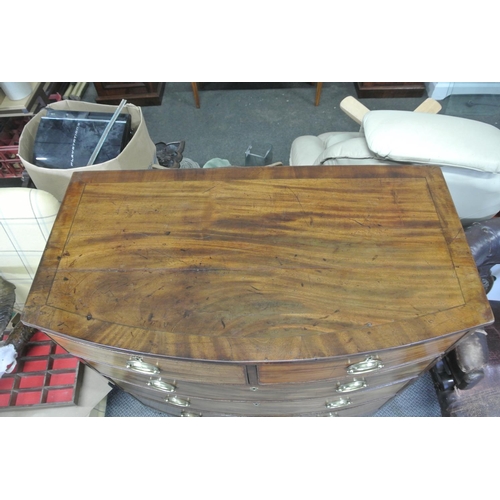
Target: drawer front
193 371
298 372
364 410
332 401
338 369
159 384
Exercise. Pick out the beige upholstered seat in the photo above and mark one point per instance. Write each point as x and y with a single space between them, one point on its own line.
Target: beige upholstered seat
467 151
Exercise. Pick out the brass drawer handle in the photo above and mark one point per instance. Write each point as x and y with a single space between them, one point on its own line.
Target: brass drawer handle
138 365
175 400
190 414
161 386
339 403
370 364
355 385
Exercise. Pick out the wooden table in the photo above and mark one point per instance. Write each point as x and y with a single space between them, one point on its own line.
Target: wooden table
259 291
138 93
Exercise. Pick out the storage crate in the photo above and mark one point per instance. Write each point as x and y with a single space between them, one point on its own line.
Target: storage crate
45 376
11 166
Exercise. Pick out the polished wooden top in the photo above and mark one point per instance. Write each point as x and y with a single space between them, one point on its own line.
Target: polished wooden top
258 264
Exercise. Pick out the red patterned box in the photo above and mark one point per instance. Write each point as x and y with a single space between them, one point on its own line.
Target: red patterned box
45 376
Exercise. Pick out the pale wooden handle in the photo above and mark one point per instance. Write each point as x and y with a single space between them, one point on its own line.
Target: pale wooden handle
353 109
428 106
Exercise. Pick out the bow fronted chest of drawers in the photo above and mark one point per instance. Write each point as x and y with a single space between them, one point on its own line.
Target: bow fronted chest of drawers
273 291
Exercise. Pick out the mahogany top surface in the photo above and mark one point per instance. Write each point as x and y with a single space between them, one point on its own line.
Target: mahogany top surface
257 264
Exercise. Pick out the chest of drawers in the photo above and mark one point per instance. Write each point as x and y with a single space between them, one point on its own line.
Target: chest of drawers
274 291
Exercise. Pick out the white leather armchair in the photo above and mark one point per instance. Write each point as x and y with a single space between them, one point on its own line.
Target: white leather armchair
467 151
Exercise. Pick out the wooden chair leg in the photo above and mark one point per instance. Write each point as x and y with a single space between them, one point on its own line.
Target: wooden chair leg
429 106
194 86
353 109
319 86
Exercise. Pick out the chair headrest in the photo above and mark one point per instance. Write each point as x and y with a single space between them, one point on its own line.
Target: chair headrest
425 138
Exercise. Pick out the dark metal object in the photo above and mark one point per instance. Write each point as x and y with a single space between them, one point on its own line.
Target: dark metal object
466 366
483 398
484 242
463 367
20 335
7 300
67 139
170 154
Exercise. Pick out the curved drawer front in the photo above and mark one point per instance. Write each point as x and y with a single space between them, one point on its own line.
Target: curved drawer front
306 371
193 371
160 383
266 389
311 406
362 410
373 366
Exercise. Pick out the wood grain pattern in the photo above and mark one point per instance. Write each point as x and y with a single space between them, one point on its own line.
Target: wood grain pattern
304 372
258 264
191 371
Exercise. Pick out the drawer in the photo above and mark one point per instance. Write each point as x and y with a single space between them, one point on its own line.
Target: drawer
280 407
363 410
161 385
193 371
267 373
307 371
